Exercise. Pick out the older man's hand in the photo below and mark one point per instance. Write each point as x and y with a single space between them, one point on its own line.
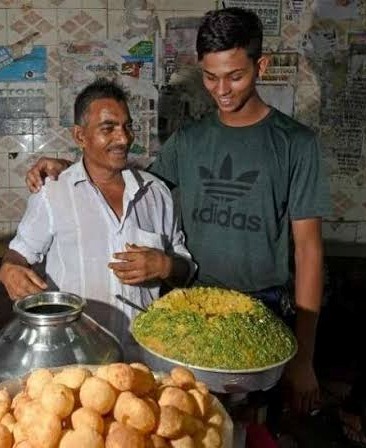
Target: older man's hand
140 264
20 281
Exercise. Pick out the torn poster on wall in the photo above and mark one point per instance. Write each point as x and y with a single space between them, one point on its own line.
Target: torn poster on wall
282 68
32 67
269 12
127 61
294 9
279 96
179 44
336 9
22 61
184 95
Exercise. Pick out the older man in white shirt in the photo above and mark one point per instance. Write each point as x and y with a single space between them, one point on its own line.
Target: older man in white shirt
103 229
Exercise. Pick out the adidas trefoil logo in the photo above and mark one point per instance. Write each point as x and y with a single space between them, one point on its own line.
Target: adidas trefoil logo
225 188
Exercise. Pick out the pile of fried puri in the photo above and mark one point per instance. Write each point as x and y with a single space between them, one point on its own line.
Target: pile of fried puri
120 405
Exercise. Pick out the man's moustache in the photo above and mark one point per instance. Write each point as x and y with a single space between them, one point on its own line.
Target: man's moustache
118 148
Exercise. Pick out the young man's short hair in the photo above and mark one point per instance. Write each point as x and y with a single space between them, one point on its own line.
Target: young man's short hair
224 29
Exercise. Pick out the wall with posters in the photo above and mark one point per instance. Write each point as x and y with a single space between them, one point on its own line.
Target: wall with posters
317 74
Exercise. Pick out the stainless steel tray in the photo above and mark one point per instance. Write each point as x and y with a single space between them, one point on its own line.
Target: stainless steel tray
221 380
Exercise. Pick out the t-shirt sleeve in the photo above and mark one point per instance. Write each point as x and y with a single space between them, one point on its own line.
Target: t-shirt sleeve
34 233
309 195
165 165
174 239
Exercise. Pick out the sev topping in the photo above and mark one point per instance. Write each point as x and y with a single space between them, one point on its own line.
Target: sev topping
214 328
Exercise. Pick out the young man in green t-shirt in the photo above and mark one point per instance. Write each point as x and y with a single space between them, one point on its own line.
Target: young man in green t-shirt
248 177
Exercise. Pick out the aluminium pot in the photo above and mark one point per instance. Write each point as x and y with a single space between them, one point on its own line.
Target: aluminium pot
50 330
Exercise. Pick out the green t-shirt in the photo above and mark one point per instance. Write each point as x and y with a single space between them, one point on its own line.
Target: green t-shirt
239 188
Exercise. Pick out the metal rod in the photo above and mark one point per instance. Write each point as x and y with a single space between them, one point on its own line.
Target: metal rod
129 303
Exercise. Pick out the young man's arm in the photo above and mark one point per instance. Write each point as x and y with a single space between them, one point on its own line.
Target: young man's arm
308 291
45 167
165 166
18 278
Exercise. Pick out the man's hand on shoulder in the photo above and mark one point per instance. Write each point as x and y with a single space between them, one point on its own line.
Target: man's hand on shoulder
44 167
20 281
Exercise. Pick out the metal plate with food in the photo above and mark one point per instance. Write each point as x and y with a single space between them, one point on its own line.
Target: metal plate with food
110 406
231 341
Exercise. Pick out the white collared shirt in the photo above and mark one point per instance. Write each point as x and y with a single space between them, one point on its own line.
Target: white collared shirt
70 223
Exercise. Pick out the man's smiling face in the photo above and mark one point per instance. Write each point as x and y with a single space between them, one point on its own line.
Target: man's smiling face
105 135
230 77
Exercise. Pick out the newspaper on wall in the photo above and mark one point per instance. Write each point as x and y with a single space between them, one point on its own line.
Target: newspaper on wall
269 11
280 96
179 44
281 69
294 9
183 96
336 9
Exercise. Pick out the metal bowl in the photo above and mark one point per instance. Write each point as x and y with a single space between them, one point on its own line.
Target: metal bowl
221 380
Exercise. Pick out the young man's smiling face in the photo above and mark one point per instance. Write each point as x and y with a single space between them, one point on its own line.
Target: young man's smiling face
105 135
230 77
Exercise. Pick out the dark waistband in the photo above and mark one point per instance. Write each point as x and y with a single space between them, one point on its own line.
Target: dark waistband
272 293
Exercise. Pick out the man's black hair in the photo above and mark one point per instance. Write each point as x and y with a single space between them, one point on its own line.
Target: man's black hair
99 89
224 29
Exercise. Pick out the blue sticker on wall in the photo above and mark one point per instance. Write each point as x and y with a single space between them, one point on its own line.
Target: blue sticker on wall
31 67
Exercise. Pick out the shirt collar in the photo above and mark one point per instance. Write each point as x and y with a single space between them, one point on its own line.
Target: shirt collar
134 181
79 173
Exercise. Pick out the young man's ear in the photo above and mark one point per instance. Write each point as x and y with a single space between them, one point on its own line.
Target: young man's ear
78 134
262 65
